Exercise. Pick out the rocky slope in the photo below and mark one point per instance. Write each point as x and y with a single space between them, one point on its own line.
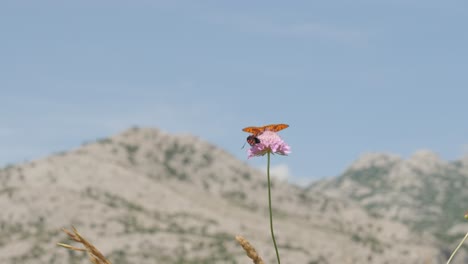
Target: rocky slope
145 196
423 192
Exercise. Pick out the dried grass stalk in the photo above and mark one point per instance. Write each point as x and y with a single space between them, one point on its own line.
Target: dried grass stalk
95 256
250 250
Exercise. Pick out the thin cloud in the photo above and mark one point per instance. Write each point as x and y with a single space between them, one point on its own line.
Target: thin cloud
283 173
280 172
301 30
465 150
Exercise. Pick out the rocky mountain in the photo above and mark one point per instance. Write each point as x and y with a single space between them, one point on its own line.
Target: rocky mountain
145 196
423 192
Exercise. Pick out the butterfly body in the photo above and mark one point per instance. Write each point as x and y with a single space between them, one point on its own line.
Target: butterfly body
252 140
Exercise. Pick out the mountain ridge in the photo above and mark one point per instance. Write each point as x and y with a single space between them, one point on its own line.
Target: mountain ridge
146 196
423 191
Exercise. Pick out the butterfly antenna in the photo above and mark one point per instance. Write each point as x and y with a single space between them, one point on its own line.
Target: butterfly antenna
243 145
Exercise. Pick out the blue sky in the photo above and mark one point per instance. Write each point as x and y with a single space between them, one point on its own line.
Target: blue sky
349 77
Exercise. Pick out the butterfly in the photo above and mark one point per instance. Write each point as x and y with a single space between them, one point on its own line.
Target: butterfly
258 130
255 131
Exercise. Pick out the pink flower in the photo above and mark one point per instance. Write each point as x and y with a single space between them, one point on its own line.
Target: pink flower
269 142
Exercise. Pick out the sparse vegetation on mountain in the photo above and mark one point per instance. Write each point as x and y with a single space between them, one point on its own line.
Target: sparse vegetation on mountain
128 207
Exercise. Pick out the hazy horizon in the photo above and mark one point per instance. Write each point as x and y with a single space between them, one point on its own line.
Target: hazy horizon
349 78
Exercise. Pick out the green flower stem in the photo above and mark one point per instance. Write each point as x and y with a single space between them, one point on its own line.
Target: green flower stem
271 212
458 247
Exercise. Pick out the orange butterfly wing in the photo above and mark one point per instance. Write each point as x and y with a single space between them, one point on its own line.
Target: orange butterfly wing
258 130
253 130
275 127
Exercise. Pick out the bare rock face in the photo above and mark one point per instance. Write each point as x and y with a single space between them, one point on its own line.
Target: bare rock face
425 193
370 160
145 196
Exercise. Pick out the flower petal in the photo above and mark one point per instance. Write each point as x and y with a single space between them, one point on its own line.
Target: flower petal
269 142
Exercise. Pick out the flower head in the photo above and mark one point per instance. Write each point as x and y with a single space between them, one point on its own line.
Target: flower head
269 142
